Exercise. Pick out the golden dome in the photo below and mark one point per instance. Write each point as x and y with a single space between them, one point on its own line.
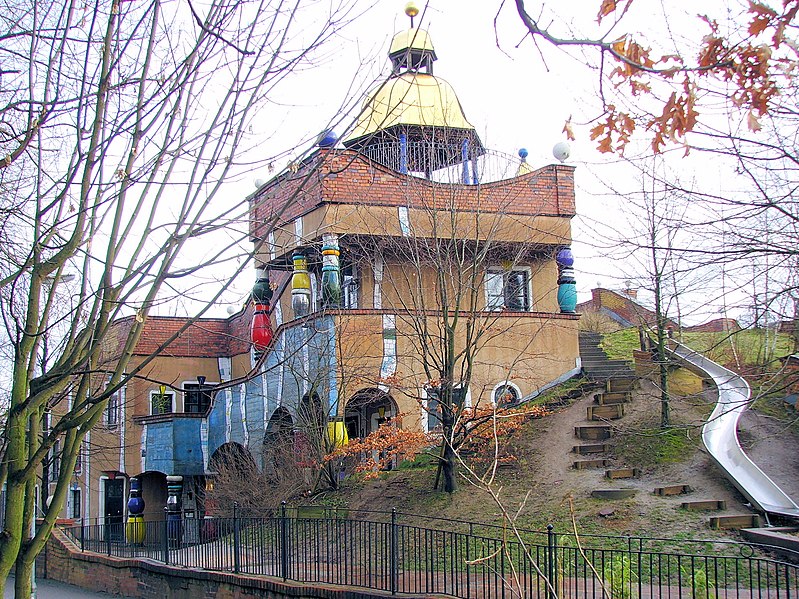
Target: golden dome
412 39
411 99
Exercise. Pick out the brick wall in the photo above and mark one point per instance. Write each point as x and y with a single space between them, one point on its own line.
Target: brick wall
205 338
64 562
344 176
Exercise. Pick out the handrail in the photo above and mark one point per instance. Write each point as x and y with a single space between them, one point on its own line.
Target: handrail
720 436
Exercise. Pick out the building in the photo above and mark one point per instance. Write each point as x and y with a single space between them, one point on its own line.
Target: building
400 260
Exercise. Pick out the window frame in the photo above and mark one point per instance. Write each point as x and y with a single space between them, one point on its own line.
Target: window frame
461 394
112 409
55 461
194 386
76 499
350 285
166 393
505 385
490 297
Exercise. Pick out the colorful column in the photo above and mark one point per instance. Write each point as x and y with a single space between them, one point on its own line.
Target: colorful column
567 285
134 531
331 272
174 489
300 286
261 331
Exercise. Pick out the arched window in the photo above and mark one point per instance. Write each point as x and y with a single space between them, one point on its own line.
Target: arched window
505 394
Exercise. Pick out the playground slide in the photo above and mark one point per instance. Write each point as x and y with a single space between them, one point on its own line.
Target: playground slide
719 434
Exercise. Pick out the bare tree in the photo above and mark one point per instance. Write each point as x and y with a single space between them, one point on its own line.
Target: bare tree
119 121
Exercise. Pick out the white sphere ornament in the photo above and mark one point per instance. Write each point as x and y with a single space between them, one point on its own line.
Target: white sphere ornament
231 310
562 151
259 183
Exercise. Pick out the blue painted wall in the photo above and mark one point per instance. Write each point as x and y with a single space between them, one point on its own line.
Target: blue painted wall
302 359
174 447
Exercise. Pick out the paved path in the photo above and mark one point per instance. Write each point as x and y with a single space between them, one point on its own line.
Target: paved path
48 589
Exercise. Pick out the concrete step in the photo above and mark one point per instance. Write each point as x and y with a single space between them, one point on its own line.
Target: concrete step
593 432
589 464
706 504
622 473
613 398
603 362
603 375
622 385
611 412
592 448
673 490
735 522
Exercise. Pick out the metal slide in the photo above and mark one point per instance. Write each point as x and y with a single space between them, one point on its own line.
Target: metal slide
719 434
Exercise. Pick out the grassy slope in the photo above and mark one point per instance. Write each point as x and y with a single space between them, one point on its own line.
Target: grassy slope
410 488
743 347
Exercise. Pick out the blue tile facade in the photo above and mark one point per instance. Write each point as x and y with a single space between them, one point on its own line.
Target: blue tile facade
301 361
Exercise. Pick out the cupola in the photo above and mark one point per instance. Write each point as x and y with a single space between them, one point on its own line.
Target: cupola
413 121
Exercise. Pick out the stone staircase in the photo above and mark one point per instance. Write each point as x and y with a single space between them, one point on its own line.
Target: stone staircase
614 384
595 362
595 435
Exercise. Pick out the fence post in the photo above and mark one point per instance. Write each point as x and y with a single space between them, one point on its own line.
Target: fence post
393 553
468 559
166 535
284 539
82 535
236 539
107 535
552 562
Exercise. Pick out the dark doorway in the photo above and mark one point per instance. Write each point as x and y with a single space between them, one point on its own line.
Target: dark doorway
114 507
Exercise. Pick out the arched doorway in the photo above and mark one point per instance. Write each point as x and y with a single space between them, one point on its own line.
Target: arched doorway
367 410
153 491
232 473
278 446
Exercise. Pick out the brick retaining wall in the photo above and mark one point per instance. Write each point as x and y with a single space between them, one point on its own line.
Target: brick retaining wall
64 562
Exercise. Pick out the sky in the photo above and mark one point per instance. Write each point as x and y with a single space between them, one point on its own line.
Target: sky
516 94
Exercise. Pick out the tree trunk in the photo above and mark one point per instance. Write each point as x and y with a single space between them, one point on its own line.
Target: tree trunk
448 469
23 576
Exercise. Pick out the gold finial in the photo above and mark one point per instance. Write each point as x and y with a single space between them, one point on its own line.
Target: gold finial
411 10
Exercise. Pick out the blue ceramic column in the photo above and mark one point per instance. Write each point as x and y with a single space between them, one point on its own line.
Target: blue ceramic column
174 487
567 285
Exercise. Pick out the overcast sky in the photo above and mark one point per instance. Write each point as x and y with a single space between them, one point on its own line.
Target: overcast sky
515 94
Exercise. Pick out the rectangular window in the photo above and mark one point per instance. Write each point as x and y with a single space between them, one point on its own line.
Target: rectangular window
79 460
74 506
349 286
433 410
508 290
112 410
197 398
161 403
55 461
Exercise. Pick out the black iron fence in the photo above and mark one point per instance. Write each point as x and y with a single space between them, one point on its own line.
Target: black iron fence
402 553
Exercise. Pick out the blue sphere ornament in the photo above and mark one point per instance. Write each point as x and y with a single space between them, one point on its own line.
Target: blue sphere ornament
565 258
327 139
523 153
135 506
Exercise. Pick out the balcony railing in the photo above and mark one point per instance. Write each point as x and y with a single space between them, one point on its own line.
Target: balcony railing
419 158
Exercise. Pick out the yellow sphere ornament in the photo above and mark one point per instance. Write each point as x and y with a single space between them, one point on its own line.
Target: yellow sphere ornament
411 9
